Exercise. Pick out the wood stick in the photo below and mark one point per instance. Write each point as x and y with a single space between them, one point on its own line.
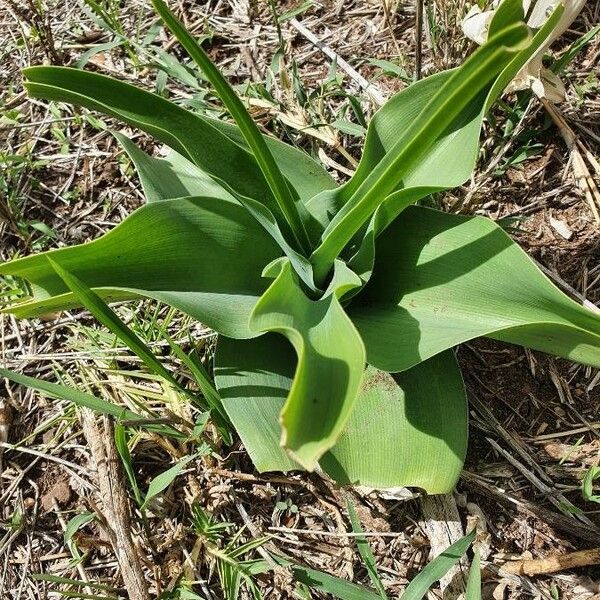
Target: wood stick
441 522
115 503
553 564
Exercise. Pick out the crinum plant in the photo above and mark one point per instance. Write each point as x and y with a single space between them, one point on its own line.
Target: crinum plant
337 307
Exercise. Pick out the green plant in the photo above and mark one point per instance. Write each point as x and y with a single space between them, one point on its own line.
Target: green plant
306 282
587 486
416 589
233 570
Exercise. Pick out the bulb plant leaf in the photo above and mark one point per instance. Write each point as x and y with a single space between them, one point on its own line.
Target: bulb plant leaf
450 159
171 177
336 306
455 278
172 251
287 204
408 429
331 358
458 94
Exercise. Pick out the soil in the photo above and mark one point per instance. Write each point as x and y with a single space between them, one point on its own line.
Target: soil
535 428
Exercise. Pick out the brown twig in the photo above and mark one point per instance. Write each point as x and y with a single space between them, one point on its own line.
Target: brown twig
419 40
553 564
115 503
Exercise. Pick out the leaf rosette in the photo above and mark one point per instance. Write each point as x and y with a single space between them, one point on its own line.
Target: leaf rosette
337 307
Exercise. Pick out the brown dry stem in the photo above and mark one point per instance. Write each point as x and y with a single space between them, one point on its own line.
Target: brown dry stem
115 504
554 564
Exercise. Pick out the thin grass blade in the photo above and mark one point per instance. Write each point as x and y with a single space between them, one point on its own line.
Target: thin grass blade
474 582
365 552
84 400
437 568
277 183
107 316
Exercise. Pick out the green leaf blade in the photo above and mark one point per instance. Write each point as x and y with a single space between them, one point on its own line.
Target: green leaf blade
171 177
457 95
254 378
437 568
330 364
456 278
365 551
410 430
407 431
215 147
252 135
171 251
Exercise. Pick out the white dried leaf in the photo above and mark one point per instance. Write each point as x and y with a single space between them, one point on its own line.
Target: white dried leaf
476 23
542 81
561 228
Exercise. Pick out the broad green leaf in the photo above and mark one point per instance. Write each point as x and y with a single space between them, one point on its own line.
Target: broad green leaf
343 281
171 177
365 551
254 378
410 430
203 256
437 568
473 591
270 170
448 163
174 176
455 278
456 97
161 482
406 430
207 143
444 167
330 365
189 134
363 260
162 178
306 175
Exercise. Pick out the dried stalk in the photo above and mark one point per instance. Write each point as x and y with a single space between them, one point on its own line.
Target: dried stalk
115 503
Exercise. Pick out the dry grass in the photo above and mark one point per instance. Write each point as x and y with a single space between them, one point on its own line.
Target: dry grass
535 424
